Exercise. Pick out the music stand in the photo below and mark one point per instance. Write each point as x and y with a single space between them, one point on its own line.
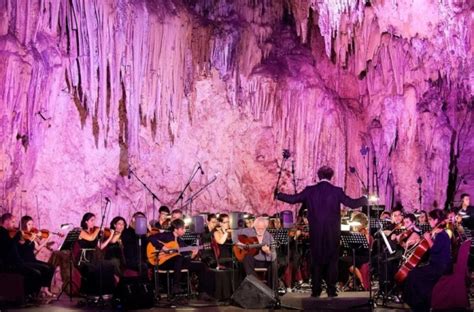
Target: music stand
190 238
68 245
424 228
375 225
353 241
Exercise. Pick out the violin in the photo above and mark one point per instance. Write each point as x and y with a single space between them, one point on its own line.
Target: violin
41 234
405 235
90 235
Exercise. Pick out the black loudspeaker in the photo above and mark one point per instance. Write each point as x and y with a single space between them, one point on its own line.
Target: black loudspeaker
254 294
134 293
11 289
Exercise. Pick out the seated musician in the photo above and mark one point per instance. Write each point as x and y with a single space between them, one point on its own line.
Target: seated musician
114 250
275 222
222 236
397 221
421 280
29 244
131 244
178 261
176 214
422 218
360 222
10 260
163 218
91 260
385 215
266 256
248 221
410 236
208 256
466 212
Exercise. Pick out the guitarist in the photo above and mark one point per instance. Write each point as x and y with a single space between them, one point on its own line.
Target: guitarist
421 280
179 261
266 256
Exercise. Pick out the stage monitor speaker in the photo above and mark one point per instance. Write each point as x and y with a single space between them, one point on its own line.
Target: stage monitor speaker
134 293
254 294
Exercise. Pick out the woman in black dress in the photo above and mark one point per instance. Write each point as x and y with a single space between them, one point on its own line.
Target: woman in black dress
29 245
95 271
421 280
114 251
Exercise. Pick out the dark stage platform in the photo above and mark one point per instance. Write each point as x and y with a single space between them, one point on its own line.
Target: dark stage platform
346 301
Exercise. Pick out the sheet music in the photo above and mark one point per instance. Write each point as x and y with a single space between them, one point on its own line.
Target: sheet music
385 240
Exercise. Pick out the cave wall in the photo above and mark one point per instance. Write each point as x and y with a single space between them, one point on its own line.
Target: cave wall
92 89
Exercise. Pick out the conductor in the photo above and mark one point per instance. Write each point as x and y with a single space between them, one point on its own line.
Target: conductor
324 215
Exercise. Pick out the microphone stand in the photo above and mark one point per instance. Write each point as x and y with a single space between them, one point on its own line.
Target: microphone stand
153 195
99 237
181 195
420 195
189 201
286 155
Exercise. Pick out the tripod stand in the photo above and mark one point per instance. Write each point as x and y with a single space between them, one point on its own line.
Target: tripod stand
68 245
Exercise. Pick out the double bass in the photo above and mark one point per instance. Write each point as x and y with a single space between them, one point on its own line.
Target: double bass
415 257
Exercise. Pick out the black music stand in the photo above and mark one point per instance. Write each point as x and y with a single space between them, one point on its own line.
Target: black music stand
354 241
375 225
282 238
424 228
68 245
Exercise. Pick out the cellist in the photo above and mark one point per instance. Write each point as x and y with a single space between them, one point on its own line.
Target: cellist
421 280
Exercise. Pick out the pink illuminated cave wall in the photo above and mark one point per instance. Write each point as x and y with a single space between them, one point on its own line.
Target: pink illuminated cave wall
91 89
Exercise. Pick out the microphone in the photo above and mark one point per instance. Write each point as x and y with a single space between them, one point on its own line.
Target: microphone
129 173
107 199
352 169
200 168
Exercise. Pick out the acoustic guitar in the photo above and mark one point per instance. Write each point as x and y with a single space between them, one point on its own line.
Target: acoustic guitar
155 256
249 245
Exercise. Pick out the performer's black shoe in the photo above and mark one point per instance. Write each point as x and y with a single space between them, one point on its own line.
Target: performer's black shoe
316 294
332 295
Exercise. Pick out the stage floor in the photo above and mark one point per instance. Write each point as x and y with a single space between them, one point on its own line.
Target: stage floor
300 301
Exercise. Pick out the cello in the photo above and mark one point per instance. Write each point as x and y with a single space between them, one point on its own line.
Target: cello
415 257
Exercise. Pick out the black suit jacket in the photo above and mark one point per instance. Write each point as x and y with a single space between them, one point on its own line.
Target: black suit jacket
324 215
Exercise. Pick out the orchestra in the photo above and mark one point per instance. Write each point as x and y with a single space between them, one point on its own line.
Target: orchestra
116 251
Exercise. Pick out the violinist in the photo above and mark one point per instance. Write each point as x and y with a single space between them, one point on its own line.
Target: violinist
89 236
222 236
114 251
176 214
397 221
29 244
10 260
97 273
422 218
163 218
411 235
421 280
